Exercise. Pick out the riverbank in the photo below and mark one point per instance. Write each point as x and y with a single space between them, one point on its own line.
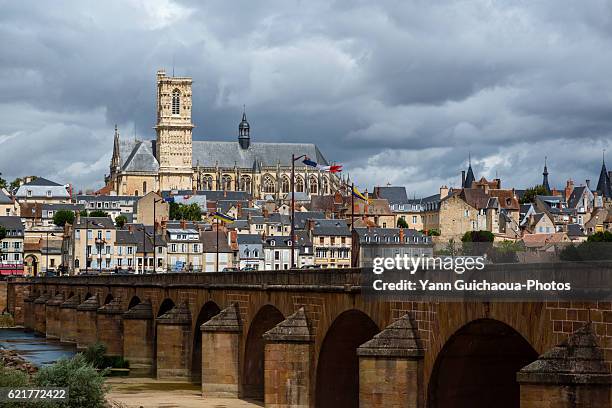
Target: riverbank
153 393
12 359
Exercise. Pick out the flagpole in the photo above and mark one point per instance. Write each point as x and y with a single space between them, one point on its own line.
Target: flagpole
352 225
217 246
292 210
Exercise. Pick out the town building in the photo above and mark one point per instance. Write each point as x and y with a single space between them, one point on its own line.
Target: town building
331 242
8 205
11 246
41 190
390 242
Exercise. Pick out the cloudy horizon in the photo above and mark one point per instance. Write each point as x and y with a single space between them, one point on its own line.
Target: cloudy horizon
399 92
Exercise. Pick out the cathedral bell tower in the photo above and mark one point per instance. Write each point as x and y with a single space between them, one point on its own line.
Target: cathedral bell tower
173 145
244 130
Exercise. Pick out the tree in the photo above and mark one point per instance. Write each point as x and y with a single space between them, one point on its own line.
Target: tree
15 184
190 212
478 236
401 223
602 236
120 221
83 213
3 183
477 242
98 213
62 217
531 193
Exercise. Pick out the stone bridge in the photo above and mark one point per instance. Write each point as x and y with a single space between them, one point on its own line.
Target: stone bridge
311 339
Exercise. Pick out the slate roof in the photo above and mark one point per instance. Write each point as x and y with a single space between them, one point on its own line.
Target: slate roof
574 198
575 230
4 199
40 181
12 223
301 217
141 158
249 239
331 227
228 154
395 195
106 222
209 241
40 187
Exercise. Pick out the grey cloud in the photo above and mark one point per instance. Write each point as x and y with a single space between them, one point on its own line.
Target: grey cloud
398 91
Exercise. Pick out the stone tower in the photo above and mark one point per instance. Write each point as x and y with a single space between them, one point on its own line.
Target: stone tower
174 126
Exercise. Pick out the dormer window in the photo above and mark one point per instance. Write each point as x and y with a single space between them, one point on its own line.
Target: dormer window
176 102
49 193
29 193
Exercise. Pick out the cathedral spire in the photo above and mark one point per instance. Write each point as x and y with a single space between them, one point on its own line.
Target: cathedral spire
604 187
116 159
469 178
545 177
244 130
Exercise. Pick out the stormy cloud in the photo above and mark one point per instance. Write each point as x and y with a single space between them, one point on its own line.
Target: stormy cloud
399 92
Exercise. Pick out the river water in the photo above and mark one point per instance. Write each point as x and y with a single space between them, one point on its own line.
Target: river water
35 349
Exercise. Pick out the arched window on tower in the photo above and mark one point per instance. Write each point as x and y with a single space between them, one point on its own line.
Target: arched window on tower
176 102
245 183
286 187
268 185
144 188
314 185
299 184
226 182
325 186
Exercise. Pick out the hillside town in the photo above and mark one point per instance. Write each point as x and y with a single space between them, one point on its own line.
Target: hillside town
174 204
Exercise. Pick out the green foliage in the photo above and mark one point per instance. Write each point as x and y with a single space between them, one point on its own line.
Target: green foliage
432 232
588 251
10 377
506 251
3 182
86 384
120 221
84 213
61 217
2 232
190 212
96 356
401 223
531 193
15 184
605 236
478 236
98 213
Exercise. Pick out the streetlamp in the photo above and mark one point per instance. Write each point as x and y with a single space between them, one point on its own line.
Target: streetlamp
100 245
47 256
155 233
293 160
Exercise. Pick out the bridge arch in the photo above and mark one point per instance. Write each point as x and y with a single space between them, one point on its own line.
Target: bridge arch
133 302
207 311
165 306
109 298
338 365
253 367
486 353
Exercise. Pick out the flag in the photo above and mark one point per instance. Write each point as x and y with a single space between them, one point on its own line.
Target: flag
331 169
223 217
359 195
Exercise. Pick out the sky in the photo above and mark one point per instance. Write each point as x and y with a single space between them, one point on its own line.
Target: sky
399 92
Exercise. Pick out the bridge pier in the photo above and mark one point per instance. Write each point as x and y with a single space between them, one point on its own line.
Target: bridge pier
68 320
40 314
17 308
29 318
391 368
87 330
110 327
53 317
174 344
138 339
221 354
572 374
287 369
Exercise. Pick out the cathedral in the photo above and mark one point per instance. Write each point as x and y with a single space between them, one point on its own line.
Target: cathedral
173 161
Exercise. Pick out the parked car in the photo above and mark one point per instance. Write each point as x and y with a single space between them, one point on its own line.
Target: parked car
230 269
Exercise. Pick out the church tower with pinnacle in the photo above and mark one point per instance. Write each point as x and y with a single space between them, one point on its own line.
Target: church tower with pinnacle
173 147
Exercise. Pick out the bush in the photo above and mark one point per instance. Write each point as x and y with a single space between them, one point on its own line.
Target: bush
10 377
62 217
94 355
85 383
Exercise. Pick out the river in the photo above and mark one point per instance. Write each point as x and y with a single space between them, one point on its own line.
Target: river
35 349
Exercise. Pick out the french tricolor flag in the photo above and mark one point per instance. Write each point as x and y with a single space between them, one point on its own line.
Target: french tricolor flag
331 169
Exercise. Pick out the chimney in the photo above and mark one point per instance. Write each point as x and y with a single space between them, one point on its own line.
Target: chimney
497 183
401 235
183 224
77 217
462 178
569 187
443 192
239 210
